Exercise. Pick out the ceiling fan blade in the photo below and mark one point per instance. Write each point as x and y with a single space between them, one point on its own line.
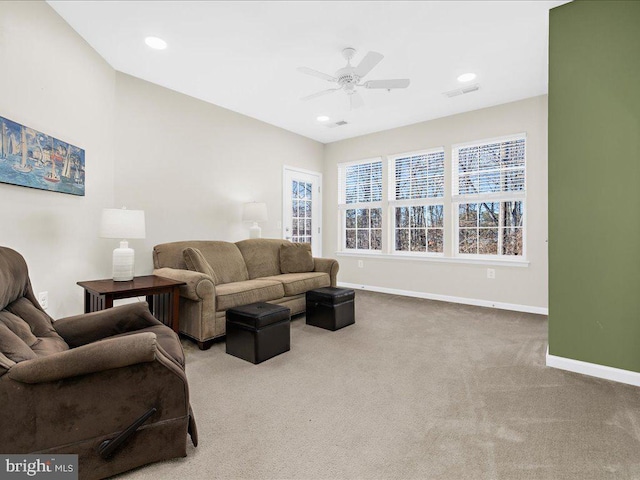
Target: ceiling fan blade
388 84
369 61
319 94
315 73
355 100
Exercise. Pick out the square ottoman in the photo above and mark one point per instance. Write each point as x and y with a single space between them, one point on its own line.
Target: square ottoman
330 307
258 332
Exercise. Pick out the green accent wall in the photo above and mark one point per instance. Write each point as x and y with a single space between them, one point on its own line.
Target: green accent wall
594 182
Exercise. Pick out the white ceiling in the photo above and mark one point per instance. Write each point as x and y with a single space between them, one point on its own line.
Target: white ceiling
243 55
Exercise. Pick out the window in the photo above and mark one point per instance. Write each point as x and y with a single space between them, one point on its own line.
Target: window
489 196
416 191
405 205
360 203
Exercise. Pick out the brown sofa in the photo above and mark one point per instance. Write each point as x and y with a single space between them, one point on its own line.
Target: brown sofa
73 386
233 274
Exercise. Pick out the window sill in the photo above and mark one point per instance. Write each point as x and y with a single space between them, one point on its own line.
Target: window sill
438 259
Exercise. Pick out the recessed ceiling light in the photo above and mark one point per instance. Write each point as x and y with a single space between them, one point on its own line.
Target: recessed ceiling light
322 118
155 42
466 77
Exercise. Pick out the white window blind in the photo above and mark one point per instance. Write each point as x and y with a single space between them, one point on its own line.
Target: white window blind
361 182
419 175
490 167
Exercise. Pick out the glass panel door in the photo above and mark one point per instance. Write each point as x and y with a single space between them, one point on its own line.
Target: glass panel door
302 207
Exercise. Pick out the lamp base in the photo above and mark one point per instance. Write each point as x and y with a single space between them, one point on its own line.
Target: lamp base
123 262
255 231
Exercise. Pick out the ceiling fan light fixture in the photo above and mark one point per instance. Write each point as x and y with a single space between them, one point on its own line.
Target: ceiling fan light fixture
322 118
467 77
349 78
155 43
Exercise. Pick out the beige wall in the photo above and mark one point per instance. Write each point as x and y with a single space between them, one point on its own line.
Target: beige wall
190 166
51 80
514 286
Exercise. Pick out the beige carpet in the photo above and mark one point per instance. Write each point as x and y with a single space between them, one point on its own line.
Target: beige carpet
416 389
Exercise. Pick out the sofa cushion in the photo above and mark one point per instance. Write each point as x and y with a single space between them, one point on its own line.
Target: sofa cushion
26 331
236 294
19 327
40 323
262 256
224 258
297 283
13 347
18 342
49 345
30 326
296 258
196 262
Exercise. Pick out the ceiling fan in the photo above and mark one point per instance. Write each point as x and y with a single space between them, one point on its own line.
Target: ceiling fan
350 77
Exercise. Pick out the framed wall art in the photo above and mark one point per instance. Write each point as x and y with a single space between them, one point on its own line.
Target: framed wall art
30 158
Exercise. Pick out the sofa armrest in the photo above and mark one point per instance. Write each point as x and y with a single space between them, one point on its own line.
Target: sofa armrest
198 285
95 357
327 265
89 327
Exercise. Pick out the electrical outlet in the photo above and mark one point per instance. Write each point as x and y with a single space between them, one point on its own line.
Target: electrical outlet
43 299
360 264
491 273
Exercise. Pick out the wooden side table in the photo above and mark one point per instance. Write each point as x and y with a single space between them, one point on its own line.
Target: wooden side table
100 294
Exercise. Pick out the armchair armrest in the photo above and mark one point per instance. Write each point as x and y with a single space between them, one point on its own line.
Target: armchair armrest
96 357
327 265
90 327
198 285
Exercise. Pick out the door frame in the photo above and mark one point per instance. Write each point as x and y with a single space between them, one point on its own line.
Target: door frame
285 191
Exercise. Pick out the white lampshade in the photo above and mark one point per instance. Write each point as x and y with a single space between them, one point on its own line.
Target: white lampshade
254 212
123 224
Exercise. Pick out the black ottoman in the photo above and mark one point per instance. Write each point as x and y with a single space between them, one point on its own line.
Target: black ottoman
330 307
258 332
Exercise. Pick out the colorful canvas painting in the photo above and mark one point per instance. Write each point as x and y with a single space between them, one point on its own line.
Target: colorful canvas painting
30 158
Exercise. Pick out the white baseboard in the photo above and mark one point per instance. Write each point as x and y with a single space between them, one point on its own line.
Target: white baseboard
447 298
594 370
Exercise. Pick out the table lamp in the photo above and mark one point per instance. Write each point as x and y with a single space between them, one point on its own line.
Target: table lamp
123 224
254 212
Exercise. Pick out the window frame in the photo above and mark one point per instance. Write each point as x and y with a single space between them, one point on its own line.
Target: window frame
450 202
393 203
343 206
458 199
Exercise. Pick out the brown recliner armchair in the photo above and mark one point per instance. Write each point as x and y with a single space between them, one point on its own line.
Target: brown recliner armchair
78 384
